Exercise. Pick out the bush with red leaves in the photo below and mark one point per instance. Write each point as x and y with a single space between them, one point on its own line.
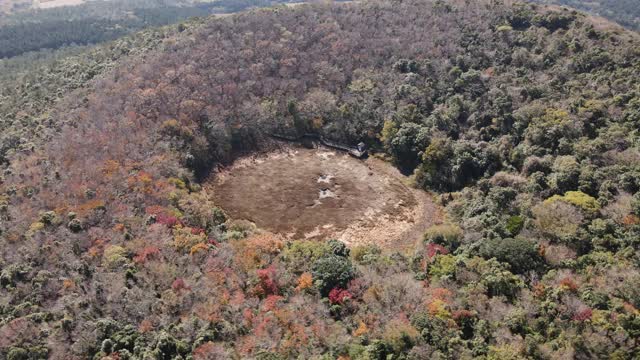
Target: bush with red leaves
179 285
583 315
461 315
145 254
267 285
435 249
168 220
339 296
271 302
197 231
569 284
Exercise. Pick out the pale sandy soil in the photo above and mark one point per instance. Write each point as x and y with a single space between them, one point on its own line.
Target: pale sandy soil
56 3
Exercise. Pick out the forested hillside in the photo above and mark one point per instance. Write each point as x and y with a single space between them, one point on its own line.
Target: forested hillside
9 6
31 85
100 21
521 120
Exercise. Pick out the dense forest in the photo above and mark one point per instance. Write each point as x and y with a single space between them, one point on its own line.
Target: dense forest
624 12
100 21
521 120
11 6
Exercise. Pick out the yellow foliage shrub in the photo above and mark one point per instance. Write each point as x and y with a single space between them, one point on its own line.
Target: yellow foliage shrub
505 352
199 248
578 199
449 234
36 226
557 218
184 240
553 117
114 256
258 250
438 308
177 183
171 125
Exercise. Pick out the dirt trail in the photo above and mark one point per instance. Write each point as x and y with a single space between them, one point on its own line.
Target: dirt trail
323 194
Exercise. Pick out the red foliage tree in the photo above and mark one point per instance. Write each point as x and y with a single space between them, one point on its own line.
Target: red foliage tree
179 285
213 241
569 284
271 302
583 315
461 315
339 296
197 231
145 254
168 220
435 249
267 284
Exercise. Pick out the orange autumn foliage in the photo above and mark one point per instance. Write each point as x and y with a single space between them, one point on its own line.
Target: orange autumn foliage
539 290
145 326
441 294
361 330
145 254
110 167
631 220
568 284
258 250
438 308
141 182
305 281
629 308
87 207
97 248
271 302
68 284
542 249
199 248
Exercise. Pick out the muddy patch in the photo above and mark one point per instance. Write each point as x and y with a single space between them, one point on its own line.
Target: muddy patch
303 193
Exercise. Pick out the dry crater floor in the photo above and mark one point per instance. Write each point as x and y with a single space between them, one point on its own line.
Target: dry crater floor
322 194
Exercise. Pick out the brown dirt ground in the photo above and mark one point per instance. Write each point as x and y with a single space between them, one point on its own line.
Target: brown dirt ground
322 194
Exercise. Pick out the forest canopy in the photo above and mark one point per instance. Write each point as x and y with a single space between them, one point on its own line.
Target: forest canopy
521 120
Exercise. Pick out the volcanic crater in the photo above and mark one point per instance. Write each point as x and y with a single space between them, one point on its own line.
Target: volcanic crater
322 194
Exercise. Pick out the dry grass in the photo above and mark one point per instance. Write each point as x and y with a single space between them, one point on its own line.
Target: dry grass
321 194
